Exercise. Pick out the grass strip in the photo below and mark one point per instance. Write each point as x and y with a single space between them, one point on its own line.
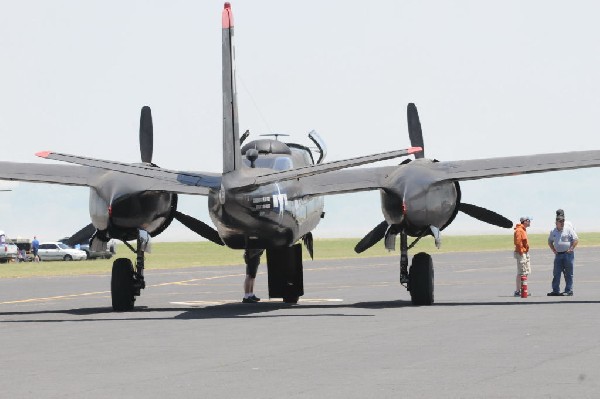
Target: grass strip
175 255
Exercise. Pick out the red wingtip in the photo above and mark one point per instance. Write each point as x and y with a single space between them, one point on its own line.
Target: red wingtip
412 150
227 17
43 154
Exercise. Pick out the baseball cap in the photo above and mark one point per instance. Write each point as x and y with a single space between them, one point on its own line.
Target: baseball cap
524 218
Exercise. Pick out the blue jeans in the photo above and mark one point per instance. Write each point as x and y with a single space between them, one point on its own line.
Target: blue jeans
563 263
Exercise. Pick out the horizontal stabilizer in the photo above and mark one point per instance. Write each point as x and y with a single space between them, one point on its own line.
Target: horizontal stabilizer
327 167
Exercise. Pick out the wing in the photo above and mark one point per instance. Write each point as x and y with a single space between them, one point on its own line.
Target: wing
72 175
201 180
198 183
512 166
346 181
363 179
44 173
329 166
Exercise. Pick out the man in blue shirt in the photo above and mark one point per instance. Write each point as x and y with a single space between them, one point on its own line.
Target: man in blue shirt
562 241
35 245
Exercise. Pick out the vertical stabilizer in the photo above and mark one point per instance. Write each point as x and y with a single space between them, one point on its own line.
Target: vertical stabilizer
232 158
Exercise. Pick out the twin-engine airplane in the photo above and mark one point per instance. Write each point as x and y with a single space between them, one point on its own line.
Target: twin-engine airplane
270 196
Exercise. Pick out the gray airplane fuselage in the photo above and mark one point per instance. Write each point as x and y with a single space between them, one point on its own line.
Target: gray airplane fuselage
269 215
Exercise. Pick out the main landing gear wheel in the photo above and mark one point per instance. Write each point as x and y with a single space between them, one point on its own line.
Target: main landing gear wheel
291 299
420 280
121 285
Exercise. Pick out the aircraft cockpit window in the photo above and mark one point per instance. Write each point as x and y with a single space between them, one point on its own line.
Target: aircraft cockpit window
279 163
282 163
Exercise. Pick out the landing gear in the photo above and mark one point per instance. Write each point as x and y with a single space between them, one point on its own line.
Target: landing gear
419 279
285 273
127 283
121 285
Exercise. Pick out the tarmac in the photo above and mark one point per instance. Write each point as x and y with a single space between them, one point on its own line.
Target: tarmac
354 334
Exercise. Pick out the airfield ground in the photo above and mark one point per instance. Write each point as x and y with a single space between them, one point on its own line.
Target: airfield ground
353 335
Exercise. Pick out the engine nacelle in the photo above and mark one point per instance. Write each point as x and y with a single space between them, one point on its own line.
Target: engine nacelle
414 199
152 211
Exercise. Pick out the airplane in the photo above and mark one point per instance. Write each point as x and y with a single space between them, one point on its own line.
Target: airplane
270 196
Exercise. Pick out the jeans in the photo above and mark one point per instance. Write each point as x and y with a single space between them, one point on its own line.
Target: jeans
563 263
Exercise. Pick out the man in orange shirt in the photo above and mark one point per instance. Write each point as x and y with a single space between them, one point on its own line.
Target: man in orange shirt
522 251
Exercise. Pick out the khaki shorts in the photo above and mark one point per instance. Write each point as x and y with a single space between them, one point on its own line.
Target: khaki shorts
523 263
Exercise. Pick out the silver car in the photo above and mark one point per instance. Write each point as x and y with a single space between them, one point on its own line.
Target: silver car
59 251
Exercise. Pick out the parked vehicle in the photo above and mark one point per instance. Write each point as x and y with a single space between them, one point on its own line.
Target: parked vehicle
8 250
59 251
105 254
24 246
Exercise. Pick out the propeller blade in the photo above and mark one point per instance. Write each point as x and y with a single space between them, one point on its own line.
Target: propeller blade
146 134
485 215
199 227
372 237
82 236
308 242
414 129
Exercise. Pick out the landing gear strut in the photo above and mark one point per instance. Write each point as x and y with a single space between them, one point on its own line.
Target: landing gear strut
127 283
419 279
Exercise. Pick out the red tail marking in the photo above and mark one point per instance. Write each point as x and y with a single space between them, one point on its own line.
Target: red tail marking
227 17
412 150
43 154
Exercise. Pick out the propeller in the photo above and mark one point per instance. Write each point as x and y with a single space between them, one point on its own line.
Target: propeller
146 134
372 237
81 236
485 215
199 227
414 129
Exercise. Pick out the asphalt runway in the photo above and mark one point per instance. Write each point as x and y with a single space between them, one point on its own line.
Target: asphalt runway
353 335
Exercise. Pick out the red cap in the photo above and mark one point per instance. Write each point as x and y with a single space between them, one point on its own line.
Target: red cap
43 154
227 16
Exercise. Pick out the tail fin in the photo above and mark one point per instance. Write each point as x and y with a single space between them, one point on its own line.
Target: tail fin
232 157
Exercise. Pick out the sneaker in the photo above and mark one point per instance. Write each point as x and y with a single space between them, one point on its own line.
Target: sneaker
249 300
517 293
554 293
567 293
255 298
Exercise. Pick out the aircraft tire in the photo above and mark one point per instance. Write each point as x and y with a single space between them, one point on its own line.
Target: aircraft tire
121 285
290 299
420 280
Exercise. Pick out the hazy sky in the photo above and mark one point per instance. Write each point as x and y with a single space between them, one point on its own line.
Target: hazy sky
490 78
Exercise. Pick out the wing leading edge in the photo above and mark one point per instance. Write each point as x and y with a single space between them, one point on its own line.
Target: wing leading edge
517 165
201 182
364 179
162 179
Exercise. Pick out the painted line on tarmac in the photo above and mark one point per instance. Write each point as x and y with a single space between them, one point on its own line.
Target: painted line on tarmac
182 282
278 301
52 298
74 296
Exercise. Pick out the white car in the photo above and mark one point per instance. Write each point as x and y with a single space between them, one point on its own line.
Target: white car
59 251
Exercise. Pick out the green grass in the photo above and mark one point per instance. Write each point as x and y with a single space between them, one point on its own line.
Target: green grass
196 254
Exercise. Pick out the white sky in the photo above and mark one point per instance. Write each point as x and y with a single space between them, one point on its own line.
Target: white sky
493 78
